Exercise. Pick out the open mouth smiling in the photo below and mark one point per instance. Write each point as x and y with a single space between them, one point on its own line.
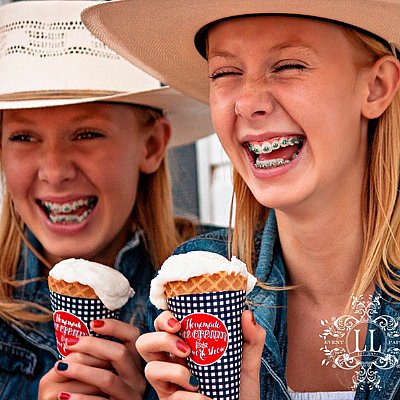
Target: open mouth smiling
71 212
275 152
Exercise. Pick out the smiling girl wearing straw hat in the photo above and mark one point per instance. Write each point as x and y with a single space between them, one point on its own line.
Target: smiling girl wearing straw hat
304 96
83 140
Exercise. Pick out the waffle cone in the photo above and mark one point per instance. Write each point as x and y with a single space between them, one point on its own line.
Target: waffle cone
73 289
218 282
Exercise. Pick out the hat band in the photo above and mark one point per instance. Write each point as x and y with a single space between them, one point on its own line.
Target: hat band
56 94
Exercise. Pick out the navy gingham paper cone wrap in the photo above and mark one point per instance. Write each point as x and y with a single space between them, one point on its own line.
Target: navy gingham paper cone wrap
211 326
72 317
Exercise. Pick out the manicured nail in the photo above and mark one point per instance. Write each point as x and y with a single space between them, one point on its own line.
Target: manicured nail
182 346
98 323
64 396
194 381
61 366
172 322
72 340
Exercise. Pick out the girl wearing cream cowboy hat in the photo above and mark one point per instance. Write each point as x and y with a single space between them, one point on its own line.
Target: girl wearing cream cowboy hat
83 141
304 97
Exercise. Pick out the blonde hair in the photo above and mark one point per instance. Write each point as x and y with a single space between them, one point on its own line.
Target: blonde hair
153 215
380 260
250 217
381 256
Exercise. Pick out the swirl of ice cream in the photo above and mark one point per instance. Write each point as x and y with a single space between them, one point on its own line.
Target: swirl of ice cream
110 286
181 267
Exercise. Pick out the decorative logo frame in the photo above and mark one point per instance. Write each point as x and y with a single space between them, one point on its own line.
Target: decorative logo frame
341 342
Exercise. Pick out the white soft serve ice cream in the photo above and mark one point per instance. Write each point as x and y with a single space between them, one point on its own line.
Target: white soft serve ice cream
110 286
181 267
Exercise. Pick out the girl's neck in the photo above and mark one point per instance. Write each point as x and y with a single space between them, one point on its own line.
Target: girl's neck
322 251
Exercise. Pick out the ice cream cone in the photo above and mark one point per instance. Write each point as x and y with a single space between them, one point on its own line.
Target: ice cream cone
73 289
207 293
82 291
218 282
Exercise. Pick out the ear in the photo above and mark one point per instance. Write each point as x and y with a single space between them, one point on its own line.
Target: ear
155 146
383 84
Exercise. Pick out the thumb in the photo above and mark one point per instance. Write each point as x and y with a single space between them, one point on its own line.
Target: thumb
253 344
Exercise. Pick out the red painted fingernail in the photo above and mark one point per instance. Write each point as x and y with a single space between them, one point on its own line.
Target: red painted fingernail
253 320
64 396
182 346
98 323
172 322
72 340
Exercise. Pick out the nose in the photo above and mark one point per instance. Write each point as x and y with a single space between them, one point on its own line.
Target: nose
254 101
56 165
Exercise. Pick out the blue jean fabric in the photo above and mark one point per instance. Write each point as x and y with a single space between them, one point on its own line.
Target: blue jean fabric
269 308
27 354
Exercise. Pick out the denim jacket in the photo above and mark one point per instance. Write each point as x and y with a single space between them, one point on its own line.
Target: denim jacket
269 308
27 354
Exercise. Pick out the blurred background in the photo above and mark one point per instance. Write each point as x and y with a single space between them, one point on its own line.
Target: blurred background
201 179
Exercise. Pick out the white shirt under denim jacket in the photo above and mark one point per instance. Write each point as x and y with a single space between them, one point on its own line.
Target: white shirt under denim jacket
270 313
27 354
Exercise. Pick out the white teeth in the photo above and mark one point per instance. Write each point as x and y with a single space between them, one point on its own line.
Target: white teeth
67 207
283 142
257 149
275 145
267 147
63 213
276 162
56 219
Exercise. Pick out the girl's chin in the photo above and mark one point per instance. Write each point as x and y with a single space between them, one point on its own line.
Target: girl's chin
280 201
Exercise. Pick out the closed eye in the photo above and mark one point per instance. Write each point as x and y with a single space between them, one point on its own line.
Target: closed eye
288 66
88 134
223 73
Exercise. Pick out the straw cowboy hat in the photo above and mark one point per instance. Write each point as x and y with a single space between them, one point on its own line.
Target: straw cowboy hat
48 58
159 35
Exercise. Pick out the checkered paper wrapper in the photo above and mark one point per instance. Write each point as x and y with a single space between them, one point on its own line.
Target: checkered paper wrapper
72 317
211 326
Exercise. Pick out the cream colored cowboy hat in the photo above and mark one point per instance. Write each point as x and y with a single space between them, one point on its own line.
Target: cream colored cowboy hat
159 35
48 58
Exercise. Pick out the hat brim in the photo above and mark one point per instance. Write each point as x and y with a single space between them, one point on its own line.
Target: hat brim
159 37
189 118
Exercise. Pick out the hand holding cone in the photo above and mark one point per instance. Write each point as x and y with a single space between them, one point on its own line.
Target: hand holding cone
207 293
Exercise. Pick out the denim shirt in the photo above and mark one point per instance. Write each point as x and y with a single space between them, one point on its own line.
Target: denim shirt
27 354
269 308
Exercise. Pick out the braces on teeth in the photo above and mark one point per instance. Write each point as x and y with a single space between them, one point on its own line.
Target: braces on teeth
277 162
62 213
67 207
69 218
268 147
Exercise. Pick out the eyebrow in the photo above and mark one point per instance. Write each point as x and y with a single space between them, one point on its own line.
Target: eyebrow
273 50
79 118
16 118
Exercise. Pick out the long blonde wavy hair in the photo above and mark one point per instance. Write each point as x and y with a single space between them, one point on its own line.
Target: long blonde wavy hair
152 214
380 261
